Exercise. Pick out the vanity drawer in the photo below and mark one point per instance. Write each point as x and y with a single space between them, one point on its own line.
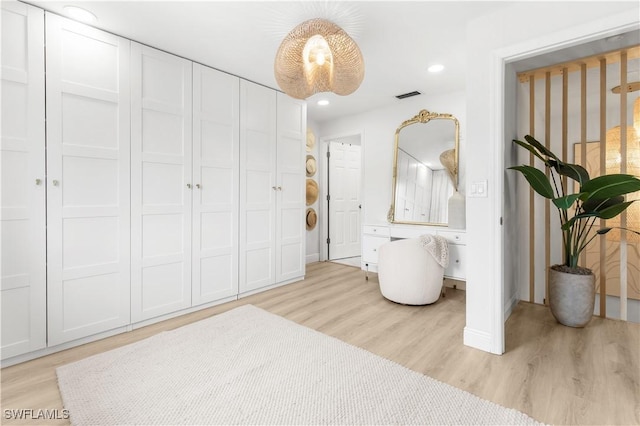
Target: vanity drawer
370 245
457 266
453 237
376 230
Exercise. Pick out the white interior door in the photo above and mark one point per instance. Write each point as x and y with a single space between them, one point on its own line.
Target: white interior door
216 174
23 222
290 198
161 185
88 197
257 186
344 202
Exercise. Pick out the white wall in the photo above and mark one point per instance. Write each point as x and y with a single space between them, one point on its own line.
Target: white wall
378 129
523 29
313 236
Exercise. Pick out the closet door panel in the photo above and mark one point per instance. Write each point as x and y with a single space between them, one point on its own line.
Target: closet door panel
291 177
216 175
161 183
88 198
258 186
22 169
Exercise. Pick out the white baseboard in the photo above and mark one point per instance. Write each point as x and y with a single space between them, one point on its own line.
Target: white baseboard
63 346
477 339
508 309
269 287
311 258
144 323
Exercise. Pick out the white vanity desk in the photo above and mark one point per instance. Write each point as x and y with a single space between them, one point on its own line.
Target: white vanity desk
373 236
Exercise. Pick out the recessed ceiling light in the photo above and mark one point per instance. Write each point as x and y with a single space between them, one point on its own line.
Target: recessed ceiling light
435 68
323 102
80 14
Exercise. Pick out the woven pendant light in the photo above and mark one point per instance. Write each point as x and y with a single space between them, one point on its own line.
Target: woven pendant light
318 56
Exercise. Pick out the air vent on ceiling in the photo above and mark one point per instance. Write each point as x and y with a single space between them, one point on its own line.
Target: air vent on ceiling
408 95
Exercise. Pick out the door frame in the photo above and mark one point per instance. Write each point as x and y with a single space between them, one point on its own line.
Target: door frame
501 130
324 187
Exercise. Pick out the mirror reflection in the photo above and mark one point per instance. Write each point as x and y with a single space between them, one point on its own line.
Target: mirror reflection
425 169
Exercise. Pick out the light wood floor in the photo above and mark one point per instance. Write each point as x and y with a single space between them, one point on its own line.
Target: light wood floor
556 374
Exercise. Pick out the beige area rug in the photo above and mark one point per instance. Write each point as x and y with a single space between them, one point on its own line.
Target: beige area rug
248 366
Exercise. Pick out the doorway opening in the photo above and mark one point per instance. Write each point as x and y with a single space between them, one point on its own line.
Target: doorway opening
343 204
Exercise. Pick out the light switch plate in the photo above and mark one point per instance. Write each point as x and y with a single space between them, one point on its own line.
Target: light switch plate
478 189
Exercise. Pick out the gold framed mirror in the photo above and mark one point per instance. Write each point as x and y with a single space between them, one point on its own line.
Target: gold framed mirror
425 169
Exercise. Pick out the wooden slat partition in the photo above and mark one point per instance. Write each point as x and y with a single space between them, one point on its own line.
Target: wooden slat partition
532 222
583 127
573 66
623 169
547 204
564 139
603 167
565 113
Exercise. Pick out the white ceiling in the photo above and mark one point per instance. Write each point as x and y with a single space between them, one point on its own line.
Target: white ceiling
398 39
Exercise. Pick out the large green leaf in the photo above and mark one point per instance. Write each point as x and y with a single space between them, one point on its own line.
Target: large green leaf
565 203
613 211
529 148
543 149
538 181
608 213
605 230
572 171
596 204
608 186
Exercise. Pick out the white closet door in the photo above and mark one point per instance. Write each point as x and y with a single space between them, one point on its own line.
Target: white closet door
88 180
291 179
23 282
257 186
216 174
161 185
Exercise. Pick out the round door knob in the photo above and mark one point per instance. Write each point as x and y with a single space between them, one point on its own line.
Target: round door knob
55 182
38 181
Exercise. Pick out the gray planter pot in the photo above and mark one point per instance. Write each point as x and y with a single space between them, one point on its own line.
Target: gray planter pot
571 297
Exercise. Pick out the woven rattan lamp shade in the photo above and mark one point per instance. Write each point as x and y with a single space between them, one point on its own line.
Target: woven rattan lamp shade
318 56
448 160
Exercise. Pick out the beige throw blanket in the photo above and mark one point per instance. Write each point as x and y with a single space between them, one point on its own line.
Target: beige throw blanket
437 247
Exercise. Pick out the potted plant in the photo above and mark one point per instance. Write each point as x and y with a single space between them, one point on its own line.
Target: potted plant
571 287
